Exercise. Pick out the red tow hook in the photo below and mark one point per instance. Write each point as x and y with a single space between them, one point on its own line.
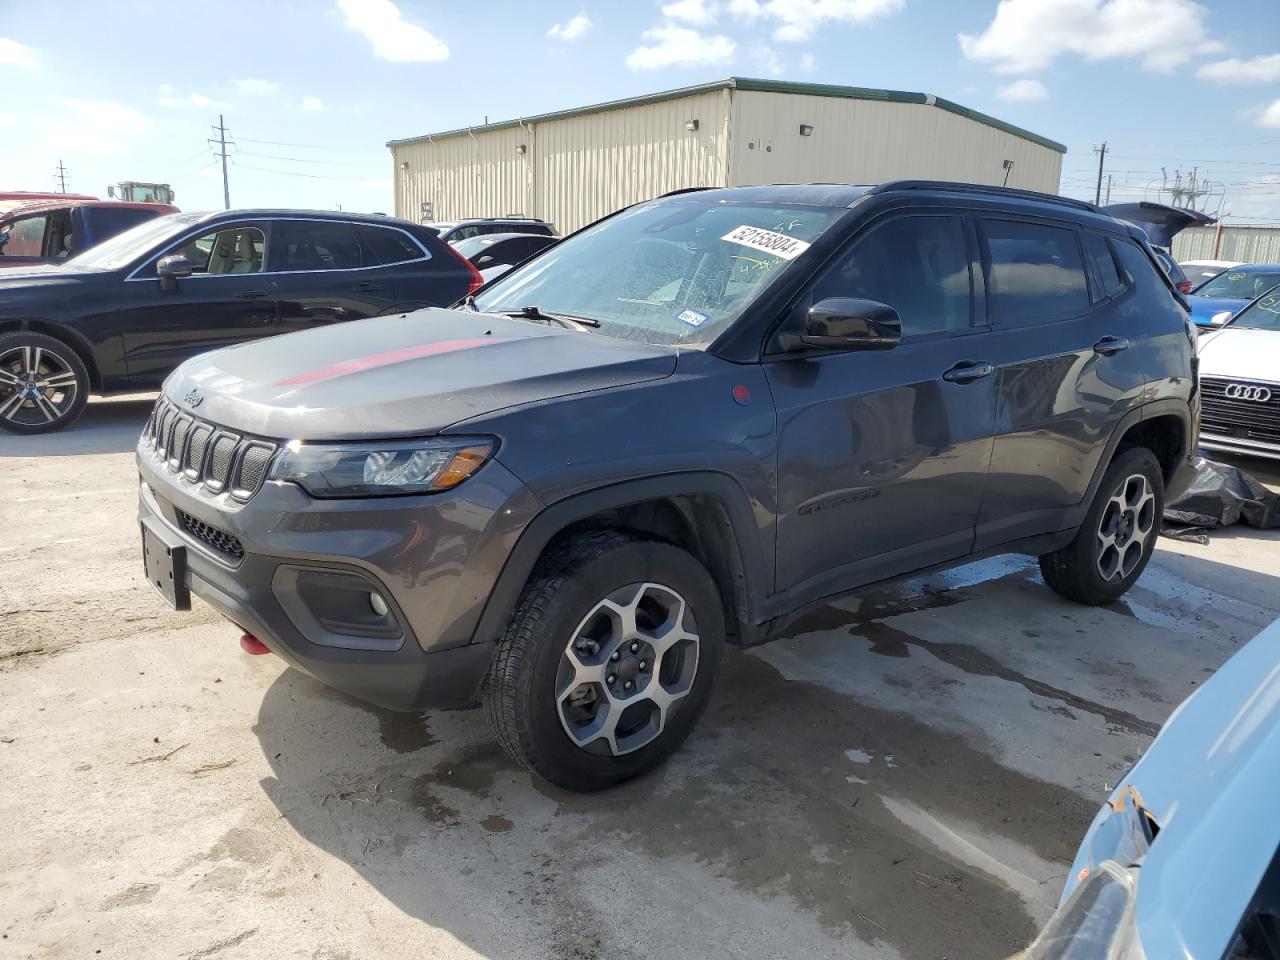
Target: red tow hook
251 644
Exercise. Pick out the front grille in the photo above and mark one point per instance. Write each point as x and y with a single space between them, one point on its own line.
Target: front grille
227 544
205 453
1225 416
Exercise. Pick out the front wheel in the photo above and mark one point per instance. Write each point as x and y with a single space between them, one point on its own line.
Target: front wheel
43 383
1118 535
607 661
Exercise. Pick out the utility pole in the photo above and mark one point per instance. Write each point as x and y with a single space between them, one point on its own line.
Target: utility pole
1102 155
221 128
1108 189
62 177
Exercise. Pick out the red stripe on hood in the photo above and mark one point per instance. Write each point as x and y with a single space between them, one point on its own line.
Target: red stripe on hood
344 367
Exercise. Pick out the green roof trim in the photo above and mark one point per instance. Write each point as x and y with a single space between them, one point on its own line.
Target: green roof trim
758 86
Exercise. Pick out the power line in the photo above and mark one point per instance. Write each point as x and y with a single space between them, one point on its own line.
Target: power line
291 173
305 146
327 163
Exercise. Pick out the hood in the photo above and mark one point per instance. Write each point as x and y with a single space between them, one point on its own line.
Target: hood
1203 309
1159 221
1241 352
408 375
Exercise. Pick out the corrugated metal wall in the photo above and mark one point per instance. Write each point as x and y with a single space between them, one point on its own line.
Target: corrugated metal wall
575 169
1243 244
869 141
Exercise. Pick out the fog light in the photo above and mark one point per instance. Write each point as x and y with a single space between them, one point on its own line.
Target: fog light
377 604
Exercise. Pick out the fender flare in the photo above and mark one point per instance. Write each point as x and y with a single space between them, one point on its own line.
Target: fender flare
1169 406
751 573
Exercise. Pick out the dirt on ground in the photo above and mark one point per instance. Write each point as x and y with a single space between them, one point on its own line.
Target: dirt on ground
902 774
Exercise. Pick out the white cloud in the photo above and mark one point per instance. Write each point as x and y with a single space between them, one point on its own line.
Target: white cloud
1234 70
571 29
170 97
1023 91
312 104
393 37
675 46
91 126
15 54
798 19
1270 115
767 61
1028 35
256 88
745 9
807 63
698 12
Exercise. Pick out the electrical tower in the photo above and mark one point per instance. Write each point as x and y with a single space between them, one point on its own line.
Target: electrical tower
1190 191
221 145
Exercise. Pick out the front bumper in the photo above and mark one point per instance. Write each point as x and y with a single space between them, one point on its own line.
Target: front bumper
1250 448
434 559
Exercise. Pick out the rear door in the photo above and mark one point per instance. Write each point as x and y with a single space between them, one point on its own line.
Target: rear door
1067 369
324 274
882 459
227 299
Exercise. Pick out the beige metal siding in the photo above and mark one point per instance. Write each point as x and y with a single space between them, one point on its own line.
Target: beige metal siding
575 169
1242 244
869 141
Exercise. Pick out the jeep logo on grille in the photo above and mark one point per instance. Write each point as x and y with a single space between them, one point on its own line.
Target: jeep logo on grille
194 397
1247 391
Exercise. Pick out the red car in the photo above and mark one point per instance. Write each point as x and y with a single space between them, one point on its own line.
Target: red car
51 230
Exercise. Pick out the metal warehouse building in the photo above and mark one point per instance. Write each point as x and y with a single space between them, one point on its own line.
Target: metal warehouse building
574 166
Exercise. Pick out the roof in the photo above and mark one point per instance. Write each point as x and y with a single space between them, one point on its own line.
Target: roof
36 206
805 194
762 86
284 213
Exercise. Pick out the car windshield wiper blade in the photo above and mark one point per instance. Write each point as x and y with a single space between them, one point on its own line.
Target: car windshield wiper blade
532 312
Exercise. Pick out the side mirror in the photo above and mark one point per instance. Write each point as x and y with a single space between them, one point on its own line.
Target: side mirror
170 268
845 323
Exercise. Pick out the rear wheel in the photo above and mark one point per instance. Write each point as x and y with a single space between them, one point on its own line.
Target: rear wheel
1118 535
43 383
607 662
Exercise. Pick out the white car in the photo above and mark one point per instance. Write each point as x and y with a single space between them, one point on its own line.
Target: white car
1240 381
1198 271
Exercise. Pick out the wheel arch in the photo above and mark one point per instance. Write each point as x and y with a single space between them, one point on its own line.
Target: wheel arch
1164 426
61 333
706 513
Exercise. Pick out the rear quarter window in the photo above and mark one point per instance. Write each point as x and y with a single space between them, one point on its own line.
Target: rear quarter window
1036 272
389 246
1104 264
1138 266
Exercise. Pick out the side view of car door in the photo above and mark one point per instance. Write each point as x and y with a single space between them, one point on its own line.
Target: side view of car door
225 299
324 273
883 454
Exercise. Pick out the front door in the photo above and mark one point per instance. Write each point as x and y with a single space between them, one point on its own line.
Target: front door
883 455
226 300
326 274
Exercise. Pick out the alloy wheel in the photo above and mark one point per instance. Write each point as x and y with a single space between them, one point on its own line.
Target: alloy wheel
1128 522
37 386
630 661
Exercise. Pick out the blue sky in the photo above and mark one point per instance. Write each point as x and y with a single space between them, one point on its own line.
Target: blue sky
311 91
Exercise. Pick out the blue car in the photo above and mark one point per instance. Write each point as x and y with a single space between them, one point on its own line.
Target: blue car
1183 861
1217 300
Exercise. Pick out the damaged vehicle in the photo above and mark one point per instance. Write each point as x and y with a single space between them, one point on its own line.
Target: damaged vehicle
1240 381
671 431
1183 860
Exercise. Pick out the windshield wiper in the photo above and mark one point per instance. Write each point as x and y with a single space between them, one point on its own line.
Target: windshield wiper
532 312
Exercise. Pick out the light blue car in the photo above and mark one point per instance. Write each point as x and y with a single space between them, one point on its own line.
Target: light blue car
1183 861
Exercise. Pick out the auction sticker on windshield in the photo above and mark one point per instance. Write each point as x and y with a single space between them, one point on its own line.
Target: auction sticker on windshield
766 241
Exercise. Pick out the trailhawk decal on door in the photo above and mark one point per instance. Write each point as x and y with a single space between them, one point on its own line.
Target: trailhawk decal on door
766 241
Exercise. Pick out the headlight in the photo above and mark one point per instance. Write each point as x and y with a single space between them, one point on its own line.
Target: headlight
1097 921
381 469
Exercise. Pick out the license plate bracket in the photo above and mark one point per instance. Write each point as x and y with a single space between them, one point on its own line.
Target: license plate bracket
164 560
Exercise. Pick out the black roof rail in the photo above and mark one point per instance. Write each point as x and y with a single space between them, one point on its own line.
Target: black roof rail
676 193
953 187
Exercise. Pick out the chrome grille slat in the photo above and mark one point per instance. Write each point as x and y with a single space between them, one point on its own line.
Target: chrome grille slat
1238 419
204 453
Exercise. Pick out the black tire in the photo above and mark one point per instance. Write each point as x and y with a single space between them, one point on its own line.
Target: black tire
1076 571
567 586
56 407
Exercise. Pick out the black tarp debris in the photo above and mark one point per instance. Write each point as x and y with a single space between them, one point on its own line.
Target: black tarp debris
1222 495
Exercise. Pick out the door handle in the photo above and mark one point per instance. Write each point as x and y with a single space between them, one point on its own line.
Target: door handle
966 371
1108 346
368 288
251 294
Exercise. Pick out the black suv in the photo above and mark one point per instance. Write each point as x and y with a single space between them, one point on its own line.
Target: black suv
120 316
681 425
451 231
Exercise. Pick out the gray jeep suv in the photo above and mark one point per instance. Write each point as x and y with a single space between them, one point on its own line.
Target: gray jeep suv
670 431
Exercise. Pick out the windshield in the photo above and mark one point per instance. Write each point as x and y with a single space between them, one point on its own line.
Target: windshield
667 272
1263 315
473 245
1240 284
124 248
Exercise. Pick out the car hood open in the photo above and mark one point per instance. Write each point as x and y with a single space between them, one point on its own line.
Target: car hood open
408 375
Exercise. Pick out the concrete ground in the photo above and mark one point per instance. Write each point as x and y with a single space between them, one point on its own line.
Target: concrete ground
902 775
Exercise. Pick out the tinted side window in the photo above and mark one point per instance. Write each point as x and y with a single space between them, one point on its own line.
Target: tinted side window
25 237
1136 264
463 233
389 246
1099 251
1036 272
917 265
316 245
